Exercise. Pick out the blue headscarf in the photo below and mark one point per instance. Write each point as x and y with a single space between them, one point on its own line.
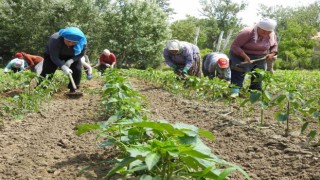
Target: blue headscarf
75 35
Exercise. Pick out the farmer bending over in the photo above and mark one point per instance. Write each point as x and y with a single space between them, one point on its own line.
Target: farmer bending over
35 62
252 43
17 64
64 49
106 60
216 65
183 57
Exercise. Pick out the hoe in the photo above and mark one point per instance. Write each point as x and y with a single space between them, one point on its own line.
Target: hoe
76 94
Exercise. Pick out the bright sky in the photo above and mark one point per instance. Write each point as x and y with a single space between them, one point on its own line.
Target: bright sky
249 16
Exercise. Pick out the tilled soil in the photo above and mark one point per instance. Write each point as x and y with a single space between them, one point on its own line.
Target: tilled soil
264 152
44 145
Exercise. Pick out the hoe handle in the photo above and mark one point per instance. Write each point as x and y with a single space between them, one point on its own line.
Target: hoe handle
72 81
254 60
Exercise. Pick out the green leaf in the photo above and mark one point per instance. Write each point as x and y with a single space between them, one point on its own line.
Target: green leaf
139 151
195 153
304 127
315 114
152 159
312 134
243 103
148 177
225 173
190 162
254 96
86 128
166 127
206 134
112 119
267 95
281 116
125 162
189 130
108 142
279 99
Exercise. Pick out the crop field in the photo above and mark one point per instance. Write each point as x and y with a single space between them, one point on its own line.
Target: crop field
147 124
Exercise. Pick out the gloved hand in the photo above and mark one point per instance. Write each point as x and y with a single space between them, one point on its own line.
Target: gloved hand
69 62
185 70
89 76
175 68
66 70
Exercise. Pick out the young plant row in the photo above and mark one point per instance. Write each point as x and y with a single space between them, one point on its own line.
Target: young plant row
149 149
286 91
289 98
21 95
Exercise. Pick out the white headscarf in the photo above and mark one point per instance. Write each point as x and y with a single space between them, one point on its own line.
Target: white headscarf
267 25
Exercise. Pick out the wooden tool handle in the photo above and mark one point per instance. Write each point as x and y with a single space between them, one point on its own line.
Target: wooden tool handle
72 81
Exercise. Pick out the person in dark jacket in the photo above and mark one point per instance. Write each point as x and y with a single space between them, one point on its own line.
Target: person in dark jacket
64 50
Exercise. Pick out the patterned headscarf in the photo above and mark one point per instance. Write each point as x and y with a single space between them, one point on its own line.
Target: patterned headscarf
75 35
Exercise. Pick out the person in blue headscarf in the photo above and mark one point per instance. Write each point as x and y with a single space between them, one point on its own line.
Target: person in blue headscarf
64 50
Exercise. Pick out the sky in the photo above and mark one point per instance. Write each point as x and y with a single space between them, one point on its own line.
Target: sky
249 16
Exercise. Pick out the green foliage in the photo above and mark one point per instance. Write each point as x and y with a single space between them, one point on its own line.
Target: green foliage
296 45
296 27
224 12
277 89
154 149
203 52
135 30
21 95
185 30
165 6
263 96
221 15
139 33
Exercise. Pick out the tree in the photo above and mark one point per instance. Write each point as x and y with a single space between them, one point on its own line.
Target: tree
296 46
138 35
184 30
136 30
26 25
223 15
296 27
165 6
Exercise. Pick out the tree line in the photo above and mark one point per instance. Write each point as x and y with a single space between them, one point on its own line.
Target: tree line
137 30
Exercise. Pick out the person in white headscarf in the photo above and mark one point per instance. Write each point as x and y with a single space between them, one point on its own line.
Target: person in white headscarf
183 57
17 64
252 43
106 60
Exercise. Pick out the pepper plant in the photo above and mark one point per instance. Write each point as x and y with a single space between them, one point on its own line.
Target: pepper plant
289 102
154 149
262 96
